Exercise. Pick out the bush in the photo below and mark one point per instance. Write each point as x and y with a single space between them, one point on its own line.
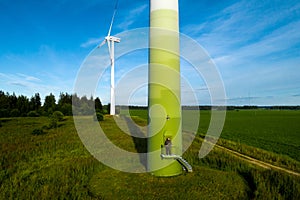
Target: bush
58 115
38 131
66 109
4 113
33 114
53 123
44 113
99 116
99 111
14 113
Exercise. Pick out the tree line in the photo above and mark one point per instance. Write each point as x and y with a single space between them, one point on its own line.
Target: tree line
22 106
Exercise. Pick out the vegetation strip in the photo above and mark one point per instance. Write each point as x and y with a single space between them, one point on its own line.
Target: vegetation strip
257 162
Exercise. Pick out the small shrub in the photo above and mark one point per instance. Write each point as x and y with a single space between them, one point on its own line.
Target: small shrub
33 114
23 115
38 131
50 111
53 122
99 111
99 117
46 127
44 113
58 115
14 113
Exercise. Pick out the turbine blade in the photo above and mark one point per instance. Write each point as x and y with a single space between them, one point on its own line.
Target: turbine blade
111 23
113 17
102 43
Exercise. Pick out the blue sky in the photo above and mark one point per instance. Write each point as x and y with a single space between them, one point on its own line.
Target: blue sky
254 44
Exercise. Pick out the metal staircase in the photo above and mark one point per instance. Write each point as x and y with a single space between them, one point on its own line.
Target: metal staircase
183 162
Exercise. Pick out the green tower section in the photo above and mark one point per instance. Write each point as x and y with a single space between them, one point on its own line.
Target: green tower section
164 101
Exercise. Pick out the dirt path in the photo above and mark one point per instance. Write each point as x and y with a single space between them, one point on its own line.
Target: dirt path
257 162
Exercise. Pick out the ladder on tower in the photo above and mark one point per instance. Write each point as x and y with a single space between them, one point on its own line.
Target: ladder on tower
183 162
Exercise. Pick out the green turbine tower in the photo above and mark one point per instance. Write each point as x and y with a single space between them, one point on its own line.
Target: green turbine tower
164 100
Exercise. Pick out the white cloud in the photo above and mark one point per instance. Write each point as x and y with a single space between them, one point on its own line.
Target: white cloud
277 41
92 42
29 78
28 85
241 24
131 17
255 47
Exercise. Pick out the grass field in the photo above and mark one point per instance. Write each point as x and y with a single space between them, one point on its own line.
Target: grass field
56 165
276 131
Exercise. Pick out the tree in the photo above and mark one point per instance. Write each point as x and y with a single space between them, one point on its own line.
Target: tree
66 109
65 104
64 99
49 104
108 108
4 101
35 102
76 104
23 105
98 105
86 105
13 101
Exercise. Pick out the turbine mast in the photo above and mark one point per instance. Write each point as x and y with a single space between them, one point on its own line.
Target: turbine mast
164 101
111 46
112 80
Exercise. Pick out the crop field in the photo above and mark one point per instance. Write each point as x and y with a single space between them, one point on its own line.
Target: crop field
276 131
56 165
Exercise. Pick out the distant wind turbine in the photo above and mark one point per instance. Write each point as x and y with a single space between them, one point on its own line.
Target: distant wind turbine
110 40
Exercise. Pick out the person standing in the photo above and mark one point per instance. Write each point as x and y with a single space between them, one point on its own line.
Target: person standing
168 145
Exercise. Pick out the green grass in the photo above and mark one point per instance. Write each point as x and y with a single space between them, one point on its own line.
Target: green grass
52 165
202 184
277 131
262 155
57 166
272 130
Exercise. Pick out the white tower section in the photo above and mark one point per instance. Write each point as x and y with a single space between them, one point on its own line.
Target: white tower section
111 46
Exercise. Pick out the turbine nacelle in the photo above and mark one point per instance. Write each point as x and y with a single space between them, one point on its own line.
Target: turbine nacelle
112 39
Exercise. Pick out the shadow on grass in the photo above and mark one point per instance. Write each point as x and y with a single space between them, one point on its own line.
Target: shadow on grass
249 180
140 143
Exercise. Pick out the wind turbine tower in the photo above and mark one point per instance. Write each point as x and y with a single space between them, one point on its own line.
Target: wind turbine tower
110 40
164 98
111 43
